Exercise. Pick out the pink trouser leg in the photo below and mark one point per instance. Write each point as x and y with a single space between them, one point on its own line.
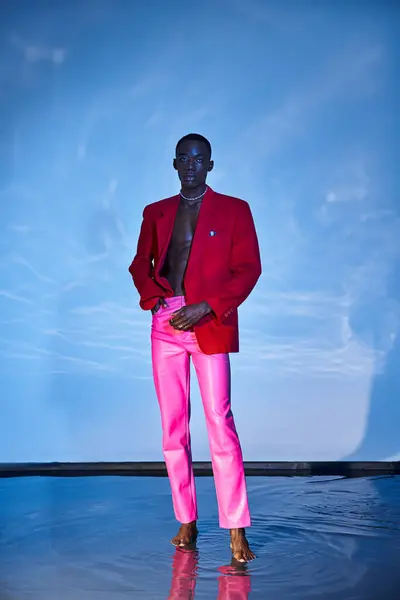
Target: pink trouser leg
171 372
214 377
171 351
171 376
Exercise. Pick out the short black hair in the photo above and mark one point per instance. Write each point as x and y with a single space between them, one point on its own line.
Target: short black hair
194 136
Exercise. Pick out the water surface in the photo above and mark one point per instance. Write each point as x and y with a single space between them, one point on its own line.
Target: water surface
108 538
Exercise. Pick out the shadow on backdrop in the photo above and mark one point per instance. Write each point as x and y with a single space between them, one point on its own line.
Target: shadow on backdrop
381 439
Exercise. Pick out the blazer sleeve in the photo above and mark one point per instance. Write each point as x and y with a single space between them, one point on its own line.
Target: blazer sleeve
141 268
245 265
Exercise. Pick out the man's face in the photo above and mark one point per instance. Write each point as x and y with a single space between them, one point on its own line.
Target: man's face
192 163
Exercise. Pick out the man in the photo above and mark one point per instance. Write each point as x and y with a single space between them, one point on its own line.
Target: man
197 260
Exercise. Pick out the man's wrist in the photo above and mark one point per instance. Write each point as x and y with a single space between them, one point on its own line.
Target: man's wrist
207 307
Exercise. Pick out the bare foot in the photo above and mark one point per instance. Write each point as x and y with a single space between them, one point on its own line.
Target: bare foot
186 535
240 546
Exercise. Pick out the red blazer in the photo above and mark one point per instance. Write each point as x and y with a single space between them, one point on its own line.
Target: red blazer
223 268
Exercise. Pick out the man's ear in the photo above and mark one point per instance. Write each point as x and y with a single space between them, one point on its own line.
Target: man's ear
174 164
211 165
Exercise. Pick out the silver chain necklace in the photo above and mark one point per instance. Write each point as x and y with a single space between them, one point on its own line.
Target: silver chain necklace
193 199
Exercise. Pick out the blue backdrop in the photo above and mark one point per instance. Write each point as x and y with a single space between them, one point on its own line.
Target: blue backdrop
298 101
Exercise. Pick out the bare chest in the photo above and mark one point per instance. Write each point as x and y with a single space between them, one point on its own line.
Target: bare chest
185 225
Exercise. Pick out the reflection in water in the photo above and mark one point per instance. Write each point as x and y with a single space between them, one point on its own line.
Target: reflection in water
184 574
326 538
233 583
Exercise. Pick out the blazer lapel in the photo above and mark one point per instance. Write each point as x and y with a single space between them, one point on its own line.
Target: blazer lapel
203 227
165 226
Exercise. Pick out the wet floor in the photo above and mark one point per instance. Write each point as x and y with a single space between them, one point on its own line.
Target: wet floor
108 538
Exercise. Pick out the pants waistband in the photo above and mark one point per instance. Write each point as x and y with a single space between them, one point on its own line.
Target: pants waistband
176 300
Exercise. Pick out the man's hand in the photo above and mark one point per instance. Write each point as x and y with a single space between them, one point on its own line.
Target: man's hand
184 318
160 303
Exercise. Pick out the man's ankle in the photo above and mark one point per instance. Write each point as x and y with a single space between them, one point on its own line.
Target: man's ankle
238 531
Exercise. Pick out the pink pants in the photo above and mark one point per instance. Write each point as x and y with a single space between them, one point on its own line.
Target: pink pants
171 352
